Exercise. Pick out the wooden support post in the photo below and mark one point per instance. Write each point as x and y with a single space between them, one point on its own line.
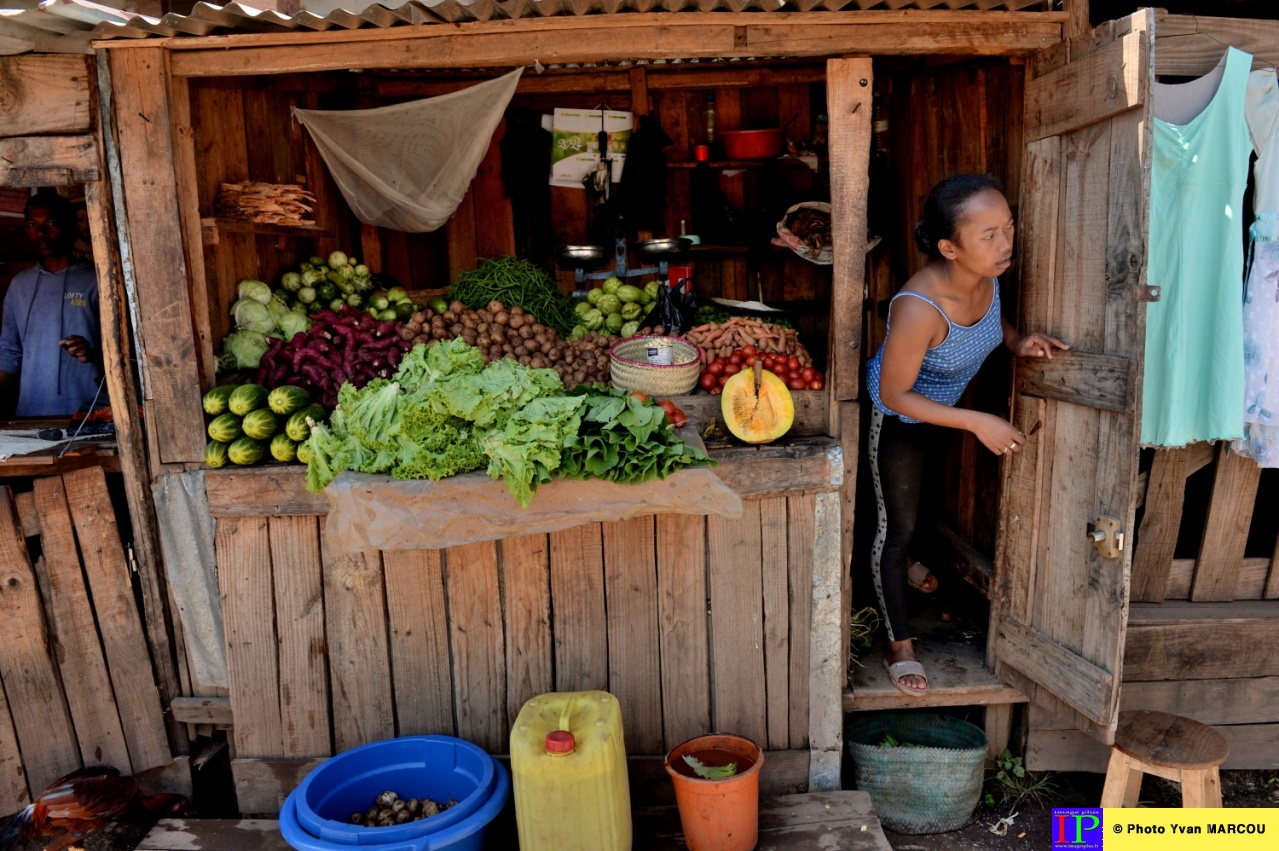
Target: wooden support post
999 727
1079 23
848 103
145 135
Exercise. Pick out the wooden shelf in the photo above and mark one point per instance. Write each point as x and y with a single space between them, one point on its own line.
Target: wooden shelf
211 227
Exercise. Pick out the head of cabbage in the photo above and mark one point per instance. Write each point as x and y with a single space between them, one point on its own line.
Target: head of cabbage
250 315
256 290
291 323
247 347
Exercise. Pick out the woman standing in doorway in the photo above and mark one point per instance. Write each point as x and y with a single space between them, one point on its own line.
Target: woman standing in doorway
941 326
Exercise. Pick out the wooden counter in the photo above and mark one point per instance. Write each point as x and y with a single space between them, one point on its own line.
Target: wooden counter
695 623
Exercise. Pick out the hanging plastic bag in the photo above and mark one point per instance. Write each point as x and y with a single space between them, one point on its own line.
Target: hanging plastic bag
407 167
676 310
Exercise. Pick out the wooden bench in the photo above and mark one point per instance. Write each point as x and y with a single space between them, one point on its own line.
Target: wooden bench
1166 746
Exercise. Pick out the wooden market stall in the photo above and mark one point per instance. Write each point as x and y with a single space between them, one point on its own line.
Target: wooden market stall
87 675
325 652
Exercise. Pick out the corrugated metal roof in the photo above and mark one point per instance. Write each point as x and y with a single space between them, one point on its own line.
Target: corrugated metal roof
68 25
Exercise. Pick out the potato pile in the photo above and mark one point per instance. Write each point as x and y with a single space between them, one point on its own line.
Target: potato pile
390 809
500 332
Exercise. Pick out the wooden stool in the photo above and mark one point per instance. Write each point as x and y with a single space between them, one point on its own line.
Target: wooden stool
1166 746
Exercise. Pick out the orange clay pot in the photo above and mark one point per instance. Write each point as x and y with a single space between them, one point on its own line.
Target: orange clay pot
718 815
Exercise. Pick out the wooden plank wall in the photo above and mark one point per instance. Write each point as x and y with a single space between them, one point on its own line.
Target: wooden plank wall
74 662
693 622
242 129
961 117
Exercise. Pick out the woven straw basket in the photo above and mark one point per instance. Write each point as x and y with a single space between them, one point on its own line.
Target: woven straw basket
932 787
633 370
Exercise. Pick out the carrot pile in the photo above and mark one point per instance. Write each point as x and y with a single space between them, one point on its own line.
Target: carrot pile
723 338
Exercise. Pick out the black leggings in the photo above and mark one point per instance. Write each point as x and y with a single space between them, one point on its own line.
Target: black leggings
898 452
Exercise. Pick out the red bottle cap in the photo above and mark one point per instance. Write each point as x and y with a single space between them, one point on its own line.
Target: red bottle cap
560 741
703 153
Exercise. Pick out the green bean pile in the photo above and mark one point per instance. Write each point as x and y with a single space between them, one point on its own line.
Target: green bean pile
516 282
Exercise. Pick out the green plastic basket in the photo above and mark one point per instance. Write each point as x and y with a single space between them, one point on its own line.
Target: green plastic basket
931 788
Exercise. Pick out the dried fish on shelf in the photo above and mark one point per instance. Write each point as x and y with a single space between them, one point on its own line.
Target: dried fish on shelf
266 203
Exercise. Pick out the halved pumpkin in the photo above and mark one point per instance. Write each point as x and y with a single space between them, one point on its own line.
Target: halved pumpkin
757 416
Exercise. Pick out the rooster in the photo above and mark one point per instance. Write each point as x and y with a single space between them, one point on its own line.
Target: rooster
80 803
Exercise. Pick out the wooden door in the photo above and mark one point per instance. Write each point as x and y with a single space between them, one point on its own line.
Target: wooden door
1059 611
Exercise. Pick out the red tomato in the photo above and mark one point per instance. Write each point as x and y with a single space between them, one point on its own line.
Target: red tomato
793 362
809 373
716 367
643 397
734 360
796 384
816 384
709 380
715 391
668 406
680 421
749 360
732 368
748 350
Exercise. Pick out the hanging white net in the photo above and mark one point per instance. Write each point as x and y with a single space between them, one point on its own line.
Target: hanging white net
407 167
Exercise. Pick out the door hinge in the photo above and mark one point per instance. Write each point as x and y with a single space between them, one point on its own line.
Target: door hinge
1148 294
1106 536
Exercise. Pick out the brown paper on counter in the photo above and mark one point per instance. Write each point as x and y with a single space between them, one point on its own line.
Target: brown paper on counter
368 512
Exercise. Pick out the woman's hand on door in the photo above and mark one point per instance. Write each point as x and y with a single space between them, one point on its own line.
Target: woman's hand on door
1036 346
997 434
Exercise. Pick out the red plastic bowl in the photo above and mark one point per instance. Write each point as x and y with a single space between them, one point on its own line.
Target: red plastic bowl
752 144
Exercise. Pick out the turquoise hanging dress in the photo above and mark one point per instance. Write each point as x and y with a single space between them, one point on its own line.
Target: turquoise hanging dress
1193 387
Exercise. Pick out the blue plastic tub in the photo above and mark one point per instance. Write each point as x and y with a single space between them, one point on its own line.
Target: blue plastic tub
442 768
466 835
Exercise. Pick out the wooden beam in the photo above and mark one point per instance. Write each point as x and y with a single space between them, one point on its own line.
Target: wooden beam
75 156
1251 584
203 710
849 83
597 38
1234 494
1195 641
950 550
44 93
1192 45
1244 700
1069 676
141 98
1085 91
1081 378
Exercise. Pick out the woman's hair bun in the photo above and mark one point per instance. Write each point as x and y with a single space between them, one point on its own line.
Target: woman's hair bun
944 208
923 238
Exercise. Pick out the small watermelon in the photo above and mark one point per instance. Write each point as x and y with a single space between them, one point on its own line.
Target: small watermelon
260 424
287 400
283 449
304 452
215 401
226 428
246 451
247 397
215 454
297 429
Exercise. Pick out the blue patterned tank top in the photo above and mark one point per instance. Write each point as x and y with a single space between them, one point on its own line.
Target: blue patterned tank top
949 366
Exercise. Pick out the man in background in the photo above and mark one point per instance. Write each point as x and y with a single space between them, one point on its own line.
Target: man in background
50 337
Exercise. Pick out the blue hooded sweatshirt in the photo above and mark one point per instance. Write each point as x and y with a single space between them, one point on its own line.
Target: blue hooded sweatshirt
40 309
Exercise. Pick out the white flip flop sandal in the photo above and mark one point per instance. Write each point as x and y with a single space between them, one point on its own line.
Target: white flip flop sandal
917 574
897 670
